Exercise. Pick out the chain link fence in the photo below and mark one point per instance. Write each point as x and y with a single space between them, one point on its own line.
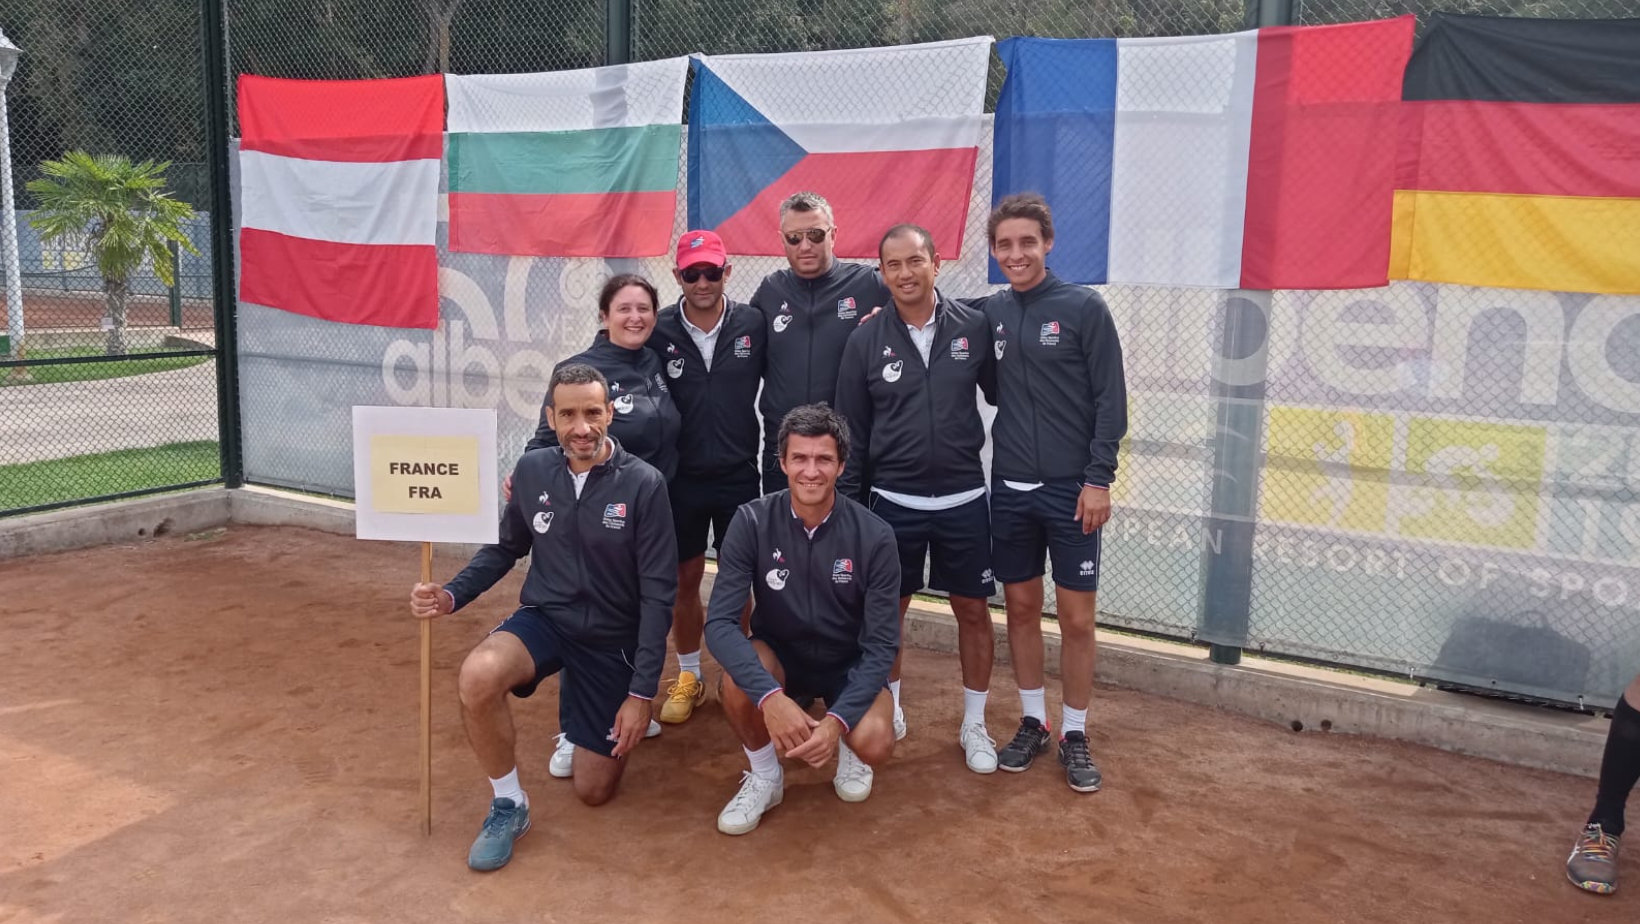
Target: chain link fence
107 372
1453 507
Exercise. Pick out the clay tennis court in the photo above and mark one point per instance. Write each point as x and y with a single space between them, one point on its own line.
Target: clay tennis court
224 729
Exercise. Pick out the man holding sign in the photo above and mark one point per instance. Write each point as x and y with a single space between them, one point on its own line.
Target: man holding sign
596 605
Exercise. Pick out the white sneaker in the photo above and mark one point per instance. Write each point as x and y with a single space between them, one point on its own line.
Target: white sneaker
757 795
562 764
979 747
899 725
654 729
853 779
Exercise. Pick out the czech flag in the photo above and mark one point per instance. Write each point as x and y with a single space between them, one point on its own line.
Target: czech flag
886 135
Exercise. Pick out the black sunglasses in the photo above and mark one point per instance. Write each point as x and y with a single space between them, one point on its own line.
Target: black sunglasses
692 274
815 236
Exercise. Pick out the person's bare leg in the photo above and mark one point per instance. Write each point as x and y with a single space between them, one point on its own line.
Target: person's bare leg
491 670
743 715
975 646
873 738
1023 601
899 656
596 776
1078 611
688 616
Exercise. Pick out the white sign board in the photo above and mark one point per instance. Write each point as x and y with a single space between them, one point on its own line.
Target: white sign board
425 474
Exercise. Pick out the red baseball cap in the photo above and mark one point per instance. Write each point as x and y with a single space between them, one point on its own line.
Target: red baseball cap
701 247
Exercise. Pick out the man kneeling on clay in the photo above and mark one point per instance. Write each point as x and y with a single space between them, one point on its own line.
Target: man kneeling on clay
596 606
824 574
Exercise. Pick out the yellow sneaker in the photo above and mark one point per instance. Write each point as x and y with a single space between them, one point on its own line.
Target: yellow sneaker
682 697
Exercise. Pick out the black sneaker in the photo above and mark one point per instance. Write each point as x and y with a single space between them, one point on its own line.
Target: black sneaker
1080 772
1029 741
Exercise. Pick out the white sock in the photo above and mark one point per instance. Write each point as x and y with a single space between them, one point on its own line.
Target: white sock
764 762
690 662
894 688
973 706
1034 703
507 788
1073 720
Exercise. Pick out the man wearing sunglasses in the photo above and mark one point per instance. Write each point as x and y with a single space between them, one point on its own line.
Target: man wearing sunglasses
712 349
810 308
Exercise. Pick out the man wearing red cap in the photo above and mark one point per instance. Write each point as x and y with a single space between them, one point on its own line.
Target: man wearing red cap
713 351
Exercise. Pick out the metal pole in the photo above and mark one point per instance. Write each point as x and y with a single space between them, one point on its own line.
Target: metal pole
8 211
618 31
224 291
176 285
1227 587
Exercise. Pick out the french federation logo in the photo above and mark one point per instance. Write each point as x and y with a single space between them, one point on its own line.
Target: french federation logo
1050 333
961 343
847 309
744 343
615 510
842 571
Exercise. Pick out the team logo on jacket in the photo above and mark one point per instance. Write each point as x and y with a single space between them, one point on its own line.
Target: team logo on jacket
888 352
743 347
959 348
842 571
1050 333
544 499
847 310
542 521
615 516
783 320
623 404
672 348
777 556
675 368
891 372
776 578
1001 343
614 387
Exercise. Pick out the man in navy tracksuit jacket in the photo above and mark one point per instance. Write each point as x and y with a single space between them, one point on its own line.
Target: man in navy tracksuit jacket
596 606
825 576
713 351
811 309
1061 414
907 387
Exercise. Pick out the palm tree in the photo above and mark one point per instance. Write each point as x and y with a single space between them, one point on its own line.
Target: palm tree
124 214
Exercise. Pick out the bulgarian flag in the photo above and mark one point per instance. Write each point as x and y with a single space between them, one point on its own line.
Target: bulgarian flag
1261 159
339 197
566 164
886 135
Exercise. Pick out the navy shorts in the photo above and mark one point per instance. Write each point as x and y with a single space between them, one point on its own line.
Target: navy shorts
593 682
959 538
1027 526
822 678
703 507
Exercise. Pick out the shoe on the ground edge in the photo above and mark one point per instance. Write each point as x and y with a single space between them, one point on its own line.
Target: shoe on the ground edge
756 796
853 778
682 697
654 729
562 764
507 822
1592 866
1031 739
899 725
978 748
1080 772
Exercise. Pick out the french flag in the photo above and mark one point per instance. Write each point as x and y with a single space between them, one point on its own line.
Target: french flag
886 135
1259 160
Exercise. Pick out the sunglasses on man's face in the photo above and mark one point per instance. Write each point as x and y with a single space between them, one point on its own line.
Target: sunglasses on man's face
692 274
815 236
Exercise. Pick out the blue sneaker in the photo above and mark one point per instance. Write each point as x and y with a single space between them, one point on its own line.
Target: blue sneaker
508 822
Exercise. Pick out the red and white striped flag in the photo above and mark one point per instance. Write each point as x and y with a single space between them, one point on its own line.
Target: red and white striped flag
339 193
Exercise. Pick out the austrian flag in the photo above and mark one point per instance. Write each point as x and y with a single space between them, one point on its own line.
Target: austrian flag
339 193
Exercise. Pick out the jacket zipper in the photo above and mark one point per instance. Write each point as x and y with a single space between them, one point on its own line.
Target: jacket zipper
1024 355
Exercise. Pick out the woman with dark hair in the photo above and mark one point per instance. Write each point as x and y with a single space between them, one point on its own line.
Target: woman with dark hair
646 422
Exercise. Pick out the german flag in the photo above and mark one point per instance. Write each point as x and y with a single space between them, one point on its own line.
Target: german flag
1519 164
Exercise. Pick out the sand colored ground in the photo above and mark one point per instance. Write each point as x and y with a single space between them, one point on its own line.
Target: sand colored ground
223 730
